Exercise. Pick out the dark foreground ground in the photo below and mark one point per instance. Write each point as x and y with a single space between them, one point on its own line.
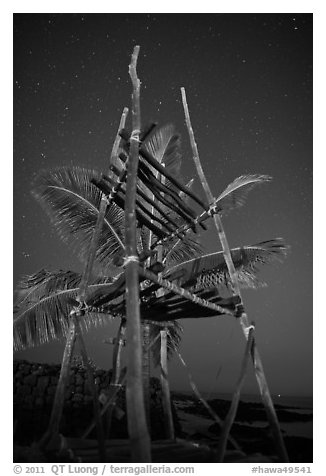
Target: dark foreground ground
194 425
251 429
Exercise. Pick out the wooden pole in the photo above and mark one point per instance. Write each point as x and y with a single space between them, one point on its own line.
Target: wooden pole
259 371
99 222
166 400
137 426
52 431
228 422
166 284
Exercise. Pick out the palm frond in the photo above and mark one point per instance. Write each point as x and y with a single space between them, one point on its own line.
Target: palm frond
211 270
72 203
235 194
189 185
173 340
177 251
164 145
43 303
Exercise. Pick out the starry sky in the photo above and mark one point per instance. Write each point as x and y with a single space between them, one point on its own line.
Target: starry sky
248 79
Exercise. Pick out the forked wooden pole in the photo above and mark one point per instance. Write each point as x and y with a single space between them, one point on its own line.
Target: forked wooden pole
99 222
259 371
137 426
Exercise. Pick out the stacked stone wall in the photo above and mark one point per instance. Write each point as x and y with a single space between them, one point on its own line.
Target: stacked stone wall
33 394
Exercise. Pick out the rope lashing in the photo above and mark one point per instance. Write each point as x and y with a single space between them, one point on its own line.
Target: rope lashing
135 135
212 209
130 259
248 329
239 310
79 311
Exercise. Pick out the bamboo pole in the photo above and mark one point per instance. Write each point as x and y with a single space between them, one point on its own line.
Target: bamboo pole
166 400
99 222
228 422
166 396
259 371
137 427
183 292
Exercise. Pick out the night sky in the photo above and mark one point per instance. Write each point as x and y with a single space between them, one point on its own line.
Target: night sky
248 79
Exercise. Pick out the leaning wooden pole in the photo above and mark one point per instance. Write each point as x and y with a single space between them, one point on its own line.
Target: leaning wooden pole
228 422
137 426
259 371
52 431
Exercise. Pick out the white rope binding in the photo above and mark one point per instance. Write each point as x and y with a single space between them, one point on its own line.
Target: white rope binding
135 135
246 330
130 259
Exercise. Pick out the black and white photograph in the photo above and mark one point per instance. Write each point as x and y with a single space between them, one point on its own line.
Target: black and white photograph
163 238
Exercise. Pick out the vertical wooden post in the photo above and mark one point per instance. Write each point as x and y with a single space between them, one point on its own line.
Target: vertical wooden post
259 371
166 400
137 426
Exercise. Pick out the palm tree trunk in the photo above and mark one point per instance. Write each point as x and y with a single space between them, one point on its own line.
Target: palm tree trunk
116 366
54 424
166 400
259 371
146 369
137 426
